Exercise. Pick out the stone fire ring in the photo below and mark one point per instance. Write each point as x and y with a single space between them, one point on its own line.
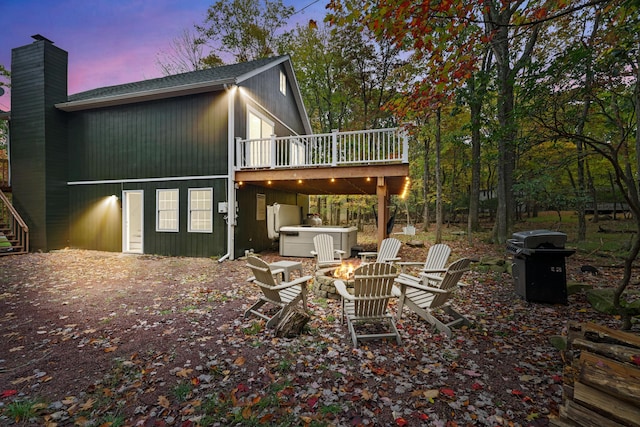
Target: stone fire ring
324 284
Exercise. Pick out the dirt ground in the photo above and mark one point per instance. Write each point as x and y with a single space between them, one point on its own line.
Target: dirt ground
107 339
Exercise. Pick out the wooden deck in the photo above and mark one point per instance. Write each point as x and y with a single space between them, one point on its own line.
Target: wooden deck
357 162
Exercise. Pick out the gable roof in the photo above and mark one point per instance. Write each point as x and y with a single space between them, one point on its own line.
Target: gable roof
212 77
207 80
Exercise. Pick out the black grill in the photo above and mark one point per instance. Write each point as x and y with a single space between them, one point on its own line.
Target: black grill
538 267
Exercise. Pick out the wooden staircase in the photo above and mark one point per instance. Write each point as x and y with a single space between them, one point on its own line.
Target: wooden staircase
14 233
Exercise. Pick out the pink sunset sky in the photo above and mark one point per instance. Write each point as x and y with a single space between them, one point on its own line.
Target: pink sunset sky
110 42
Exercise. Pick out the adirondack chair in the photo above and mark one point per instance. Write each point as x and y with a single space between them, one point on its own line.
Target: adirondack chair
435 264
388 252
373 288
417 294
325 253
284 295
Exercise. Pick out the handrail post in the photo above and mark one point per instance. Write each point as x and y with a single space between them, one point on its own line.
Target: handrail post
273 151
405 145
334 147
240 161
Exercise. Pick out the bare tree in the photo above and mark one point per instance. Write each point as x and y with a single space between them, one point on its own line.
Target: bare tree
185 54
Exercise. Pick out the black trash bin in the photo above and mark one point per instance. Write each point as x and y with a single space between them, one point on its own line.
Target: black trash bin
538 267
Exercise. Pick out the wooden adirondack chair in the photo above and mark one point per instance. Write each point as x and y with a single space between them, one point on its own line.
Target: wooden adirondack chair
281 294
434 265
325 253
388 252
417 294
369 303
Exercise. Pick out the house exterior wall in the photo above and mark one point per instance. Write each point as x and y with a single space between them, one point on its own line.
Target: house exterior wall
182 136
38 142
96 219
66 165
147 146
264 90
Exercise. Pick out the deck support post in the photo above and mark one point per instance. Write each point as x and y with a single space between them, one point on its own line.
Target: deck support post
383 209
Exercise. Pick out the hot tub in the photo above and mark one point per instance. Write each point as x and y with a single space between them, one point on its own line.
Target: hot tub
297 240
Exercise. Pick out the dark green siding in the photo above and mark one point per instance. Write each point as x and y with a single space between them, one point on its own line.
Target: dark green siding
183 136
250 233
183 243
265 89
96 220
38 142
180 137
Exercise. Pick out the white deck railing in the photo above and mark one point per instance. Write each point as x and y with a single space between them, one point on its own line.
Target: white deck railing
355 148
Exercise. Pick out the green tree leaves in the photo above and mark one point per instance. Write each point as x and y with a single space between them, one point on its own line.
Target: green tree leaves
245 29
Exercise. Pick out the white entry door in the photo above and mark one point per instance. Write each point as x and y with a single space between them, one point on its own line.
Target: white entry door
132 221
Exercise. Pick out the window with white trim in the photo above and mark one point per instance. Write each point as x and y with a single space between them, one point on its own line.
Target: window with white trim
259 128
201 210
167 202
283 83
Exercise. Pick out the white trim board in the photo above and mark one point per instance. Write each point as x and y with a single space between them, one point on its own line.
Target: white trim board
168 178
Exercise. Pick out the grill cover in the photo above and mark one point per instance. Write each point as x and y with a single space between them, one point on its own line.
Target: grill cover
538 267
539 239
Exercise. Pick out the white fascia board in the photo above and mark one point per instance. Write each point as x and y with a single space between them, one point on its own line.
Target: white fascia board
262 69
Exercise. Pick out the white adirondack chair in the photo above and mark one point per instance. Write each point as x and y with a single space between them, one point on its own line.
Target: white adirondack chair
435 264
417 294
369 303
284 295
388 252
325 253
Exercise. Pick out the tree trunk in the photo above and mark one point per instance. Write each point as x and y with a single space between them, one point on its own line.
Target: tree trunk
581 195
498 17
594 194
292 323
475 106
500 46
613 194
506 155
581 187
438 238
425 188
636 99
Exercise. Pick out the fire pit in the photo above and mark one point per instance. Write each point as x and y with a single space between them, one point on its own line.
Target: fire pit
324 284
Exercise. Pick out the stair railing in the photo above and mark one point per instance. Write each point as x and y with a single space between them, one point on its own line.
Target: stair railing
17 230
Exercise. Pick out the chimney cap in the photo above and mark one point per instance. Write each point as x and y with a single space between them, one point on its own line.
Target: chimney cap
41 38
